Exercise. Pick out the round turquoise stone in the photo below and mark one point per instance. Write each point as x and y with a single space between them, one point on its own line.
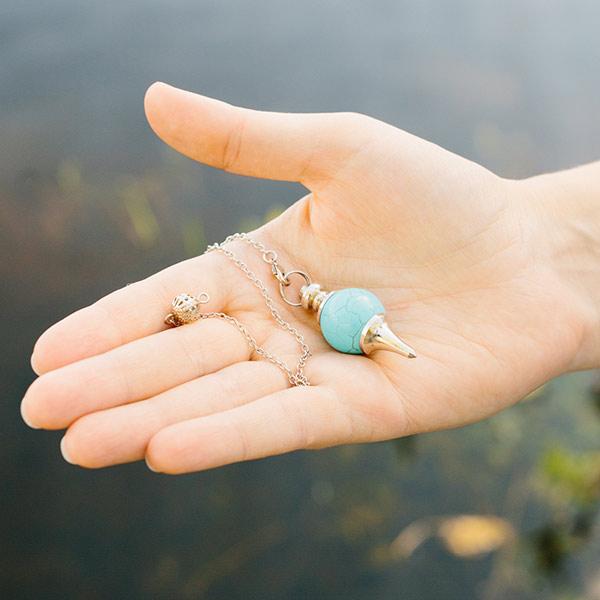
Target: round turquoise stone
344 315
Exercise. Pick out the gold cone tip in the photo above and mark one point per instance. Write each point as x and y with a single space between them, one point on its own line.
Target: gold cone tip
377 335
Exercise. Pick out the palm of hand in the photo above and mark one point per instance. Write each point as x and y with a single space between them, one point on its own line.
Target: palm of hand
470 297
443 243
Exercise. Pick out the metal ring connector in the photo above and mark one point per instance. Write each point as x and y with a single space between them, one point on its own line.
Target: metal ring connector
269 256
286 282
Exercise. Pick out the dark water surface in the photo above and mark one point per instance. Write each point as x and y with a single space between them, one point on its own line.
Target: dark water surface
90 200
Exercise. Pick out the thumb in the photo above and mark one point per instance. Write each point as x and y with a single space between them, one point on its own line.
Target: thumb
307 148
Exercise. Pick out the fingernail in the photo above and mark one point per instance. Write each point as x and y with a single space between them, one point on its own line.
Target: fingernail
64 451
25 417
32 362
151 467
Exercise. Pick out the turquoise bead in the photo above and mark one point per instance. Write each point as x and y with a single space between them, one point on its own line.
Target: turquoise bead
345 314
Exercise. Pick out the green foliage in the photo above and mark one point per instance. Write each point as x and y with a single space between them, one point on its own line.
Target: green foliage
573 478
193 236
143 220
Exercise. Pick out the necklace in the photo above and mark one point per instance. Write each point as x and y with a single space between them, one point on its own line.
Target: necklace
351 320
296 376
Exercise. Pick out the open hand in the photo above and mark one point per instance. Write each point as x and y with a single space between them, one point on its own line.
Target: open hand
456 254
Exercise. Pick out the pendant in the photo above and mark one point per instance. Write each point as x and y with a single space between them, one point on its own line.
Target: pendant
352 320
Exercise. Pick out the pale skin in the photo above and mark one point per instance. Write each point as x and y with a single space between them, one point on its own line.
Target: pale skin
495 283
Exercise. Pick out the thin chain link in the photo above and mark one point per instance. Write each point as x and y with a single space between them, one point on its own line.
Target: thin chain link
296 376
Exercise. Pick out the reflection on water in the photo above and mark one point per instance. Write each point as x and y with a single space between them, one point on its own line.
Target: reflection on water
90 201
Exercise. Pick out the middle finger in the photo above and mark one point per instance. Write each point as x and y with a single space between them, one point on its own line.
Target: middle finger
137 370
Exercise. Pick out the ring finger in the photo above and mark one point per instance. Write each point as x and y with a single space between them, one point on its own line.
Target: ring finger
121 434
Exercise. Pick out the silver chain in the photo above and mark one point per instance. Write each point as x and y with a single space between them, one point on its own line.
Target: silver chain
296 376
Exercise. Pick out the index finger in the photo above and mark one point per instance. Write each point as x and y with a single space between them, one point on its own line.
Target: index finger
130 313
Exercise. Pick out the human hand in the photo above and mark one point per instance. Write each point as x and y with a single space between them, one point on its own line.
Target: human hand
462 260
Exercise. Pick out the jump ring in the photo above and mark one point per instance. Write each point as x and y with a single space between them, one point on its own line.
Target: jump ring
283 285
270 256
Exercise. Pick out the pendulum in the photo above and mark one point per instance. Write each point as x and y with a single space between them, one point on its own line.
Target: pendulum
352 320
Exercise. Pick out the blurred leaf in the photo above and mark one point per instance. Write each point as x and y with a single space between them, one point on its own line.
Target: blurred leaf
575 477
411 538
472 535
143 219
466 536
194 239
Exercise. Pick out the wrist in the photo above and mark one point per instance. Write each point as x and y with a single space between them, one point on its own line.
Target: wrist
565 210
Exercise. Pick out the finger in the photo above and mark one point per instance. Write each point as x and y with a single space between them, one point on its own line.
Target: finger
137 370
286 146
129 313
295 418
121 434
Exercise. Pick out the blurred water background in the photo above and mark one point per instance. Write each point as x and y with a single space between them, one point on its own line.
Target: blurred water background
90 200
